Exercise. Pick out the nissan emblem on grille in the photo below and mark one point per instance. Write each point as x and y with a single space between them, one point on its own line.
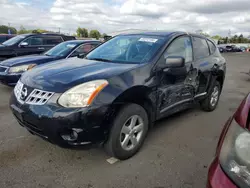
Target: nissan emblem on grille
36 97
24 93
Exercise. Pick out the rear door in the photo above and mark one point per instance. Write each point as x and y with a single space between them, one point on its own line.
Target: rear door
175 89
35 46
51 41
203 64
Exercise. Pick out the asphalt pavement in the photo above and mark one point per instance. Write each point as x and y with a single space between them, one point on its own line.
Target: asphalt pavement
176 153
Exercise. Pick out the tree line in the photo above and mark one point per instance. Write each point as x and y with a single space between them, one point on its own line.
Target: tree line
6 30
234 39
225 40
83 32
80 32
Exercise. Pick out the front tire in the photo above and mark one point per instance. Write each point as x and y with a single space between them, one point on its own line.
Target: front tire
128 132
210 103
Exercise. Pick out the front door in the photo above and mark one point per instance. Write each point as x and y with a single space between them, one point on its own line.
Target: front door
176 87
35 46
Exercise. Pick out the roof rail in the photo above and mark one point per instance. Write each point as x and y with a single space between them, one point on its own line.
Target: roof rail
51 33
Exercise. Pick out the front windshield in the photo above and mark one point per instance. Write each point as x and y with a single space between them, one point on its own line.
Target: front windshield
128 49
13 40
62 49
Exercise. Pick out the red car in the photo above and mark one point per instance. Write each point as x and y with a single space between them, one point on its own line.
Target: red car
231 166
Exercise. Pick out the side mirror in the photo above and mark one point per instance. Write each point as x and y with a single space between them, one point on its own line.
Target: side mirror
81 55
23 44
175 62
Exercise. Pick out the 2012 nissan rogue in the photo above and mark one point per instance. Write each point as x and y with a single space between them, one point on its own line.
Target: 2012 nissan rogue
119 90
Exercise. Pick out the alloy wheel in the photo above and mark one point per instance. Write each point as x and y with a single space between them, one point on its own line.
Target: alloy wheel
131 132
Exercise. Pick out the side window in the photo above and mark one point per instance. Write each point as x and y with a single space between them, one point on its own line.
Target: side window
94 45
180 47
200 48
211 46
34 41
83 49
52 40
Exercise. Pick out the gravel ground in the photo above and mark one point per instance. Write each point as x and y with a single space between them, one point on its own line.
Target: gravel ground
176 153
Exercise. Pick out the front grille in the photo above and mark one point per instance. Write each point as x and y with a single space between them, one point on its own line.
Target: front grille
3 69
36 96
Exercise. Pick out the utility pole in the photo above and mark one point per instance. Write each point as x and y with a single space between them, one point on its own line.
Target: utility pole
229 33
9 31
59 30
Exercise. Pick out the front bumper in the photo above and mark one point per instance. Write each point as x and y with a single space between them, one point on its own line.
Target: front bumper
51 121
217 178
9 79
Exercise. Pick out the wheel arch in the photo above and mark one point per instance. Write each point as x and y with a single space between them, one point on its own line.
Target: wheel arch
220 77
141 95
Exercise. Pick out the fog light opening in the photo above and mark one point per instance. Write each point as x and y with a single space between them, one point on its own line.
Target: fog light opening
71 136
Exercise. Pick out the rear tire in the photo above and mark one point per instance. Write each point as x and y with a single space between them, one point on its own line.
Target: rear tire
128 132
211 101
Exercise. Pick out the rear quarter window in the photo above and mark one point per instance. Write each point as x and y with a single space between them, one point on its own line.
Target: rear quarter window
52 40
65 38
212 47
201 49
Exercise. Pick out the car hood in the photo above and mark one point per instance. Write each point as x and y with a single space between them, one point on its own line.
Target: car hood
25 59
3 47
61 75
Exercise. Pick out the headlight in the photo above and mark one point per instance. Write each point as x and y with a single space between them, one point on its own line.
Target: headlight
22 68
235 155
83 94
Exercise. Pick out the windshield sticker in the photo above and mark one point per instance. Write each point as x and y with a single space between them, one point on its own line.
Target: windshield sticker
148 40
71 45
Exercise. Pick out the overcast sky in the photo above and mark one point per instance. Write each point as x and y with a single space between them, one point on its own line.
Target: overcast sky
211 16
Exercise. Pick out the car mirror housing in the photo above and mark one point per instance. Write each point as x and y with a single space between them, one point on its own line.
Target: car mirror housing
23 44
175 62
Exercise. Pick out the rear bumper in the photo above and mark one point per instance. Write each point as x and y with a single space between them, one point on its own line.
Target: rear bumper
217 178
9 79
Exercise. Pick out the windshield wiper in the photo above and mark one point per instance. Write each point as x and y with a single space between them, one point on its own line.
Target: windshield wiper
100 59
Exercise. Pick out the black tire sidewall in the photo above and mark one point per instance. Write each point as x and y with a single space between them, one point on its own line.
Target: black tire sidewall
124 114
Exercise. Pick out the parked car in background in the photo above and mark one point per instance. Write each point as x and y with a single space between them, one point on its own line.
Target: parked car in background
233 48
243 48
12 69
222 49
231 166
4 37
28 44
114 95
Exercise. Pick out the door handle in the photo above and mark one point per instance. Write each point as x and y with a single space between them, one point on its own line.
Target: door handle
41 48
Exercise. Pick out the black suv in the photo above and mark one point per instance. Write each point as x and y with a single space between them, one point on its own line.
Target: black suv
27 44
114 95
